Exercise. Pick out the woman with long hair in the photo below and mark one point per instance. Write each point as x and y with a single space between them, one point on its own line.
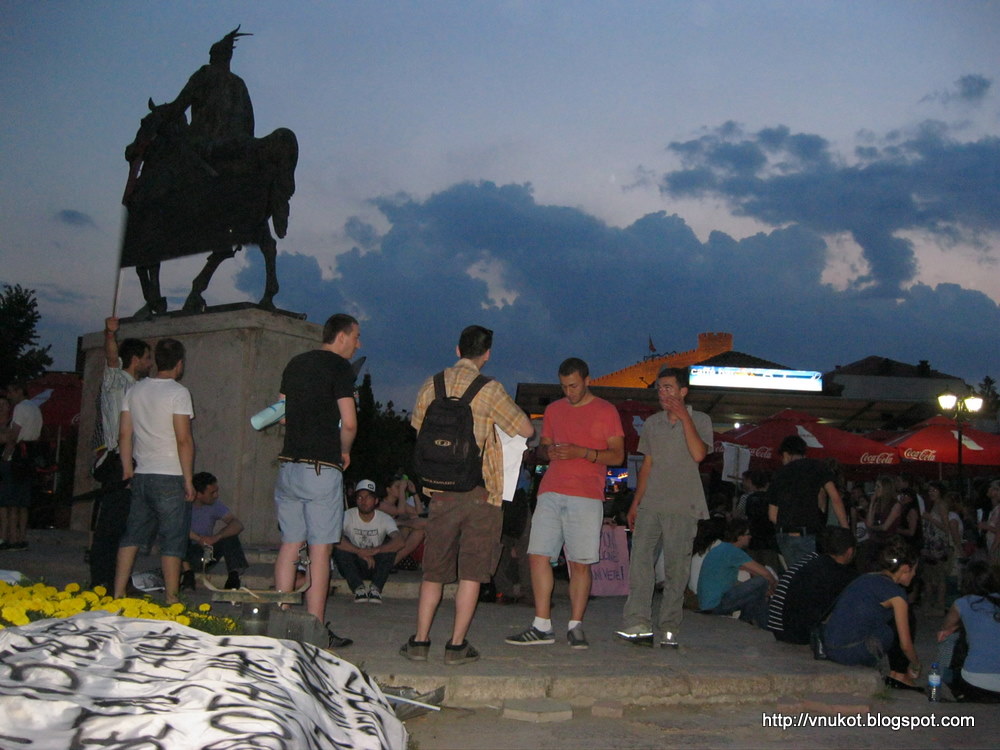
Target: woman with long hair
871 622
977 677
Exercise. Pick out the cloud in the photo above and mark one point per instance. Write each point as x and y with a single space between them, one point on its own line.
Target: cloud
922 180
74 218
578 287
969 89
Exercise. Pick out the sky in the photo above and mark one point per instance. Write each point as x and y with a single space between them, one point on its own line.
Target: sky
821 179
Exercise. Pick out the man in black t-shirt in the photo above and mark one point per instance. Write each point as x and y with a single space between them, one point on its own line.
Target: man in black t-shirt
807 591
320 425
796 505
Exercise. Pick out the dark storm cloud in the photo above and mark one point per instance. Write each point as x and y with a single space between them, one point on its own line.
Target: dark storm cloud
924 180
75 218
969 89
581 288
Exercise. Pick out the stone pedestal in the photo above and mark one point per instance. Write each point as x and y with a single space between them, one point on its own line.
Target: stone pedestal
233 369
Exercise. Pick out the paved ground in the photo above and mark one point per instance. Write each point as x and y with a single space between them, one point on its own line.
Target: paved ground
712 692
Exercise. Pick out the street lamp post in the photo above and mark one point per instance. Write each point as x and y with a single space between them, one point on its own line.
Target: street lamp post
960 408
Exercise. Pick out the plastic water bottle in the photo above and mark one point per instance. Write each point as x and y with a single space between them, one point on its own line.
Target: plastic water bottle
267 417
934 684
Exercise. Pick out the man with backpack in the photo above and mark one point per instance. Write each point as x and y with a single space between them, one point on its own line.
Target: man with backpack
459 463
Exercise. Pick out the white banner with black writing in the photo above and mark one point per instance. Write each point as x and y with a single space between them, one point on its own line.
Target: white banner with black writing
101 680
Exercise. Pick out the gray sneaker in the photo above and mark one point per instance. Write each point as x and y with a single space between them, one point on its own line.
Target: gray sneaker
361 595
415 650
374 595
462 654
532 637
576 638
637 634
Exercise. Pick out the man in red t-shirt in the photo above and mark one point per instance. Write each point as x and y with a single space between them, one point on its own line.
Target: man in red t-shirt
581 436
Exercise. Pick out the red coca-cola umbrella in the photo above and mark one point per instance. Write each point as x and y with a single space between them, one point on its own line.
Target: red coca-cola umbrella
633 414
823 441
936 440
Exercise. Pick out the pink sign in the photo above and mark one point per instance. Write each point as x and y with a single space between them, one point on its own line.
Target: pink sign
610 573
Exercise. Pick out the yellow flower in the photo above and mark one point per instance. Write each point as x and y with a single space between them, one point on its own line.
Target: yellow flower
72 588
183 619
204 607
100 591
15 615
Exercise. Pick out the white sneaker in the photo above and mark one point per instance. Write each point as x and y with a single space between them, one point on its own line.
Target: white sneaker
374 595
669 640
361 595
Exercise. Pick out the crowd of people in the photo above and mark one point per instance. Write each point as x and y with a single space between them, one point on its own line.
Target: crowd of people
802 553
874 558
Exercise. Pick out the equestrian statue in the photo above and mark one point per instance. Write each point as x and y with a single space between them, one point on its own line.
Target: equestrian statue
205 186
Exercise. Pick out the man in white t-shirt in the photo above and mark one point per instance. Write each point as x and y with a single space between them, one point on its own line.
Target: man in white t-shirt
368 546
155 431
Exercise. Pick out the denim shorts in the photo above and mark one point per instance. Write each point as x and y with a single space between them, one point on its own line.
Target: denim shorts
310 505
567 520
158 507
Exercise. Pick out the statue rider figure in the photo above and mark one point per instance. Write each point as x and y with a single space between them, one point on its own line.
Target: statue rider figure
222 126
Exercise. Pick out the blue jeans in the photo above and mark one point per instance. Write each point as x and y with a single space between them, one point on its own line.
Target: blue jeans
158 505
355 570
794 548
750 598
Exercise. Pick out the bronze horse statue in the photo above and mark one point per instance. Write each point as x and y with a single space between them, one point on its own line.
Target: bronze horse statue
179 204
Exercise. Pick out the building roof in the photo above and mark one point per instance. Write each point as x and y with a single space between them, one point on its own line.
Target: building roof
739 359
875 366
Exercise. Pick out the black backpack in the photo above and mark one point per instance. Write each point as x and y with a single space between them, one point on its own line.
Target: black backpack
446 456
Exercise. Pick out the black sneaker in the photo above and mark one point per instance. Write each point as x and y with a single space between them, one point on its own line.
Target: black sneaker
187 580
576 638
233 580
461 654
335 641
532 637
415 650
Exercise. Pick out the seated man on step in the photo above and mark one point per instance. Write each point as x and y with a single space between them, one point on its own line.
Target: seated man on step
368 545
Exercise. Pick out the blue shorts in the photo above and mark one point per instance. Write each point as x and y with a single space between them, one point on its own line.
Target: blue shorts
310 506
158 507
567 520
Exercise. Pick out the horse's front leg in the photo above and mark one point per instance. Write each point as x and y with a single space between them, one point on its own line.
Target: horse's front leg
195 302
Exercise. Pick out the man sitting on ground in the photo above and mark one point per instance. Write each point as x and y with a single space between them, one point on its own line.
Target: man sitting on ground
368 545
206 513
719 591
807 591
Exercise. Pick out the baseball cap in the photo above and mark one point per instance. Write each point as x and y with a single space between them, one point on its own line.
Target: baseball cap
365 484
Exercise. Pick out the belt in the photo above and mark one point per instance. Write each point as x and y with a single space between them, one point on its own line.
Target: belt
317 464
793 530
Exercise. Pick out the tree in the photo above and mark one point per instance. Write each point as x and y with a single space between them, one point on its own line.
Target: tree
384 444
991 399
20 357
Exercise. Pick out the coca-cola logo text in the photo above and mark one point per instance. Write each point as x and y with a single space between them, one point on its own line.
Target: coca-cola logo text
920 455
876 458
